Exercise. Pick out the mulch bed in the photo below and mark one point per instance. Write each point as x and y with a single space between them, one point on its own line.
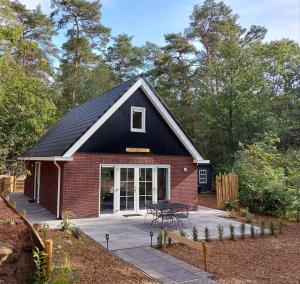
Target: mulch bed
91 262
14 235
208 199
269 259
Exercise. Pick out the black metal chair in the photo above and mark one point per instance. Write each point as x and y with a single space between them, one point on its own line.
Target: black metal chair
181 214
150 211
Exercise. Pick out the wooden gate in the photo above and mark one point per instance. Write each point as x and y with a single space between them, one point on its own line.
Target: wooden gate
227 188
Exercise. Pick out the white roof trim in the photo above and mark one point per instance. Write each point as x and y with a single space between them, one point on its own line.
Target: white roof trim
54 158
160 108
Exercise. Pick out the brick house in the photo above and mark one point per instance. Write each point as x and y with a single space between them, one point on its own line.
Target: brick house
112 154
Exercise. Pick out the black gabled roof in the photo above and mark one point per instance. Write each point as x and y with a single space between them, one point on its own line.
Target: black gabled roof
76 122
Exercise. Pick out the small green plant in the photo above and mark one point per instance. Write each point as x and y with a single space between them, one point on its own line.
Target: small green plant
77 232
221 232
169 241
252 231
65 224
195 234
45 231
272 228
280 227
249 217
243 230
160 239
262 228
64 273
9 222
231 204
232 235
206 234
231 213
244 211
183 233
39 258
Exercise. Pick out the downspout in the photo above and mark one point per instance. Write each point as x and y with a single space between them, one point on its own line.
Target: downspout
58 189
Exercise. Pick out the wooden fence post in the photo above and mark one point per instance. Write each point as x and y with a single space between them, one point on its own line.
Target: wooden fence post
205 256
49 252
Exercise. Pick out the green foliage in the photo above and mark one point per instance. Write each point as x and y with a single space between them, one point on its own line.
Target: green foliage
252 231
265 175
64 273
45 231
243 230
39 258
272 228
231 213
221 232
231 204
232 234
183 234
262 228
195 233
160 239
9 222
77 232
280 227
65 224
206 234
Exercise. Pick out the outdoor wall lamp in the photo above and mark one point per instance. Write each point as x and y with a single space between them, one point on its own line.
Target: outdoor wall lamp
107 238
185 169
151 236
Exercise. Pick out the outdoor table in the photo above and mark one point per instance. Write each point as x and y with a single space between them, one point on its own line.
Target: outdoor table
166 210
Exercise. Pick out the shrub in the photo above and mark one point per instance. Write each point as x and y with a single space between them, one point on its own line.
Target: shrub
39 258
243 230
65 224
195 234
231 213
221 232
206 234
169 241
249 217
244 211
272 228
232 235
77 232
262 228
252 231
183 234
231 204
160 239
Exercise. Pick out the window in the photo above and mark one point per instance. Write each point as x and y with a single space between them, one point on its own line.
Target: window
202 176
138 118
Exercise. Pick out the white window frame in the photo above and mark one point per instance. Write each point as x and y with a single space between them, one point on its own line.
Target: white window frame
143 111
203 176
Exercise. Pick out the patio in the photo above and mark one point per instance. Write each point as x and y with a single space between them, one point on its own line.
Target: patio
128 232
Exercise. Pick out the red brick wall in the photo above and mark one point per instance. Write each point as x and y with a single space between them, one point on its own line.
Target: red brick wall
29 181
48 190
48 187
81 179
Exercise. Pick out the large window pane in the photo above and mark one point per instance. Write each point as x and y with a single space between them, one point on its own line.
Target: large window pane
137 119
107 190
162 183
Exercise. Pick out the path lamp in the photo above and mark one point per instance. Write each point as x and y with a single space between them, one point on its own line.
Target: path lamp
107 238
151 236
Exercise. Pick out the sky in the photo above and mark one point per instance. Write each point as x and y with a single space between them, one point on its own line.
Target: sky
149 20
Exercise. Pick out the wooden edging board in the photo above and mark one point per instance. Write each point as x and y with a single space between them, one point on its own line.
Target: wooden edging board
33 231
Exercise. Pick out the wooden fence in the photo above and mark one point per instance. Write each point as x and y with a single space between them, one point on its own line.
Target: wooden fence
227 188
196 245
11 183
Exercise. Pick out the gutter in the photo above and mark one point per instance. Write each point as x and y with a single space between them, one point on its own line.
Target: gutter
53 158
58 189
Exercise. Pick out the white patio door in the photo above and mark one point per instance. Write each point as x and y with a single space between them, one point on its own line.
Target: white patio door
136 187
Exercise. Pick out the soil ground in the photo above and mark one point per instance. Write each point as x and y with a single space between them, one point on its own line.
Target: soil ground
15 235
91 262
268 259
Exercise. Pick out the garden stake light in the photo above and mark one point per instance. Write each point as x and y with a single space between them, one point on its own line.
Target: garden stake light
151 236
107 238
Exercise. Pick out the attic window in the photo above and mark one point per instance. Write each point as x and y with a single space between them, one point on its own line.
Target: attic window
138 119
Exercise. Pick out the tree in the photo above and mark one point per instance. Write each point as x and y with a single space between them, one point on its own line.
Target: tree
85 36
34 49
125 58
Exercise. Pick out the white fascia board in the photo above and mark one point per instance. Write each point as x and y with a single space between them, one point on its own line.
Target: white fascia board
102 119
172 123
160 108
54 158
202 161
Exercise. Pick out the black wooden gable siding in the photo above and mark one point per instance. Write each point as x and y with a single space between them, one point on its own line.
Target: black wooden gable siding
115 135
